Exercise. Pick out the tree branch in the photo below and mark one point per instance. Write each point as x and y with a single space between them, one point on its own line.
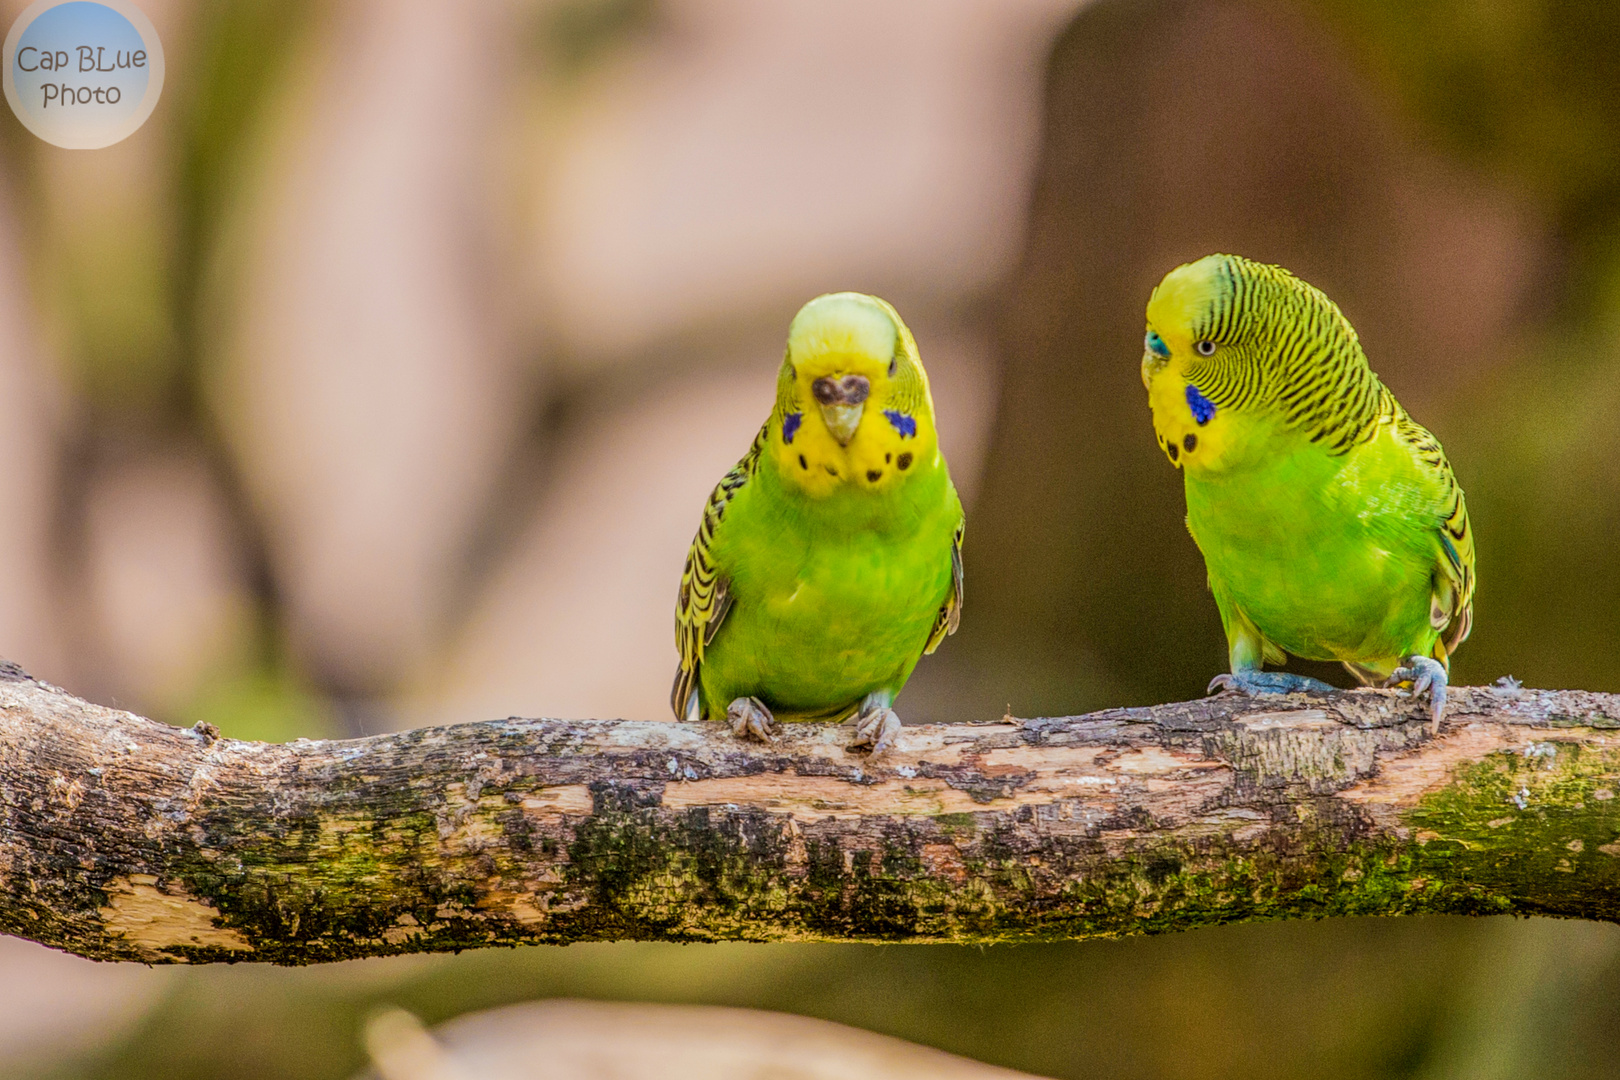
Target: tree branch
126 839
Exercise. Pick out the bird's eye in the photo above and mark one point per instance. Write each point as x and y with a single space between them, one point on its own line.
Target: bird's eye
1205 348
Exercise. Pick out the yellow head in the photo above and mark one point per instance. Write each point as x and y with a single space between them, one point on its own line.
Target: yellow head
852 401
1237 349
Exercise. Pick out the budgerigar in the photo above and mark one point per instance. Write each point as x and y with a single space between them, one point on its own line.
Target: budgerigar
830 559
1330 521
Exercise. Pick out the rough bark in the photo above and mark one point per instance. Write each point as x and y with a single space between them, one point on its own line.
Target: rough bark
126 839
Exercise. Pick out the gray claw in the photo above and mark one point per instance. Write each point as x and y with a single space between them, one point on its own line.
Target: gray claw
750 719
1425 674
877 728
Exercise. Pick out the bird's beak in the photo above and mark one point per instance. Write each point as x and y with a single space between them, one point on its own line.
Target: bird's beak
842 420
842 402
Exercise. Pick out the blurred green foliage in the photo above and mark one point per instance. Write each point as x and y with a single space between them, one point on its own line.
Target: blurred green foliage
265 703
1528 89
1543 463
123 271
242 52
575 33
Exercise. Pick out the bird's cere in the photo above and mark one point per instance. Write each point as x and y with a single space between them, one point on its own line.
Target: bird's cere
843 403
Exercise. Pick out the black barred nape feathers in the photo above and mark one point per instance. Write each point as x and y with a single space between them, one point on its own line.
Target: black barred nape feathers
1267 340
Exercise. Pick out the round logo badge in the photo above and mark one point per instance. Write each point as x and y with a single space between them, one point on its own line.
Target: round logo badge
82 74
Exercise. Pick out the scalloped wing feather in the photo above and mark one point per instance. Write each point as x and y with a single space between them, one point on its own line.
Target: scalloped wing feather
1454 584
705 594
951 614
1451 604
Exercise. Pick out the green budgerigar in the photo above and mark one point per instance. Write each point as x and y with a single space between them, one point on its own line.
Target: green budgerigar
1330 521
830 559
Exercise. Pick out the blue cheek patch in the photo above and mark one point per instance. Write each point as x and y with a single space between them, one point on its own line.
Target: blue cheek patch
1202 408
906 425
790 426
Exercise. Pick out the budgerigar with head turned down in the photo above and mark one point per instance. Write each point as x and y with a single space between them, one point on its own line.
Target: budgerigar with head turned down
830 559
1330 521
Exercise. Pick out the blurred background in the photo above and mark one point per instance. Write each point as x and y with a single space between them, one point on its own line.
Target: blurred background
380 378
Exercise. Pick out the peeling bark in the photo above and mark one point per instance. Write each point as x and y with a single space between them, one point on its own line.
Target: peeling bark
126 839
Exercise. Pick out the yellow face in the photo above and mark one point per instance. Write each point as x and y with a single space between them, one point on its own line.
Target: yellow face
1193 432
853 406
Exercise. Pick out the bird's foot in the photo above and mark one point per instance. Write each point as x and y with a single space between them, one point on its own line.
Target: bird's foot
1424 673
750 719
876 726
1268 682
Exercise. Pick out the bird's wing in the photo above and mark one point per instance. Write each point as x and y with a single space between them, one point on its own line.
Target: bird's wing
705 595
1451 604
950 615
1455 599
